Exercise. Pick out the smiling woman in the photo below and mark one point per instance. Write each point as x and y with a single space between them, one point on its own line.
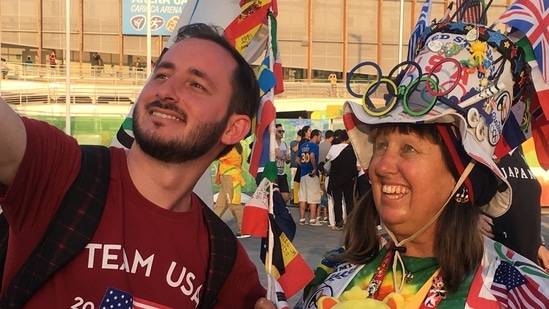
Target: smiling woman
432 173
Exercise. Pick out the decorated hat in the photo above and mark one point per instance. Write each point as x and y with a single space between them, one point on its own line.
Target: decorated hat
464 74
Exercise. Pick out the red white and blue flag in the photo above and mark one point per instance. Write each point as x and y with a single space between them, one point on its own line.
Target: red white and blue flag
532 18
115 298
470 11
422 23
505 279
511 287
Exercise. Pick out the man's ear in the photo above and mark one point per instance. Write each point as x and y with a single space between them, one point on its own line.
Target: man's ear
238 127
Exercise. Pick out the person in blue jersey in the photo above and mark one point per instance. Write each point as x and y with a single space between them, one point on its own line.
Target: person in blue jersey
309 188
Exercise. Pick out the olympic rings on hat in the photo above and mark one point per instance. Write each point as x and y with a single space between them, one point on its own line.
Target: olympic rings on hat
369 106
415 87
358 66
398 78
453 78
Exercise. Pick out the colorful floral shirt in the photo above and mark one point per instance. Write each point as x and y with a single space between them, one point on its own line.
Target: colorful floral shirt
503 279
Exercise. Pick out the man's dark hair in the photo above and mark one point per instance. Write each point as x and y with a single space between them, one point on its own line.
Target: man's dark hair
343 136
328 134
316 132
245 97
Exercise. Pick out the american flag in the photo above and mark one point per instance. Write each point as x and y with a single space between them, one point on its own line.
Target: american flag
531 17
421 24
473 11
513 290
115 298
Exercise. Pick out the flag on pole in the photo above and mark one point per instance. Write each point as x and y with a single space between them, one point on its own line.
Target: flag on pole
266 77
288 266
470 11
263 128
277 66
243 28
255 217
539 106
532 17
261 147
422 23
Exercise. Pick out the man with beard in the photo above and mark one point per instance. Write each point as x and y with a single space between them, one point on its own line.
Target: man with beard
152 244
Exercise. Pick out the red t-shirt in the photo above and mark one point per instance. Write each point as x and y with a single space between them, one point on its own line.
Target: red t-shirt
153 255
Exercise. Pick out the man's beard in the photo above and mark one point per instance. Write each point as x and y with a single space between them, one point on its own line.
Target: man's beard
195 144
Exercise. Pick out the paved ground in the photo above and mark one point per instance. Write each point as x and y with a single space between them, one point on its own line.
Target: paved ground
312 242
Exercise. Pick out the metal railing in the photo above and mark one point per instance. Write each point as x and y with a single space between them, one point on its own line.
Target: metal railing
98 85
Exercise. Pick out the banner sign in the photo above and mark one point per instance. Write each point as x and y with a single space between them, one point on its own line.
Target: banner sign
164 16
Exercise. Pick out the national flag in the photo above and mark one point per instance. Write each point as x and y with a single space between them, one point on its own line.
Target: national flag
515 290
255 217
422 23
288 266
540 132
506 279
538 106
517 129
470 11
115 298
242 29
266 77
277 65
261 147
532 17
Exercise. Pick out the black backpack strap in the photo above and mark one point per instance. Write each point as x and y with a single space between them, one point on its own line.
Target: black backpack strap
223 249
73 226
4 232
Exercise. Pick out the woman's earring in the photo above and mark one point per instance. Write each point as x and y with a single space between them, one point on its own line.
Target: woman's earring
462 196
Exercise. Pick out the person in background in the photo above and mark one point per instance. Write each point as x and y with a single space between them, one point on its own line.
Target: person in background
342 178
229 176
4 67
333 84
53 61
28 65
196 106
138 68
282 157
323 149
309 189
325 145
97 65
306 133
294 147
520 227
